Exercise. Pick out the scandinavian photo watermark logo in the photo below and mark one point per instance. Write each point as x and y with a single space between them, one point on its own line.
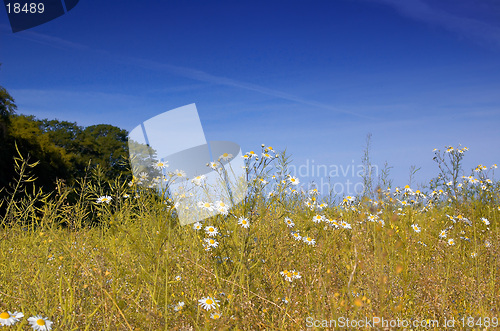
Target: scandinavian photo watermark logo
339 179
169 153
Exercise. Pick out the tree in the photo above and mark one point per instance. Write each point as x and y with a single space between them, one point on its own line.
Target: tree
7 109
105 145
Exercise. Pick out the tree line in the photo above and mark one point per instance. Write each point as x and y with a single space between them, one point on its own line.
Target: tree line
64 150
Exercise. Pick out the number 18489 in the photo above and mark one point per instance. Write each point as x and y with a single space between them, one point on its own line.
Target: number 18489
31 8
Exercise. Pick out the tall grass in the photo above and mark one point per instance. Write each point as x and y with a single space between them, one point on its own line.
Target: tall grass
127 264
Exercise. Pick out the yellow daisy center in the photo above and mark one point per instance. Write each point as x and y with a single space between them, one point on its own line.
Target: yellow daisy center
244 222
216 316
211 230
207 205
225 155
40 321
4 315
212 241
209 302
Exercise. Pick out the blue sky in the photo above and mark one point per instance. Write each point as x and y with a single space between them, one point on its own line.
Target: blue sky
314 77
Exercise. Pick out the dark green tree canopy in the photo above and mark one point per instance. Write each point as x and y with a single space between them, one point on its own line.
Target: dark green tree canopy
64 149
7 104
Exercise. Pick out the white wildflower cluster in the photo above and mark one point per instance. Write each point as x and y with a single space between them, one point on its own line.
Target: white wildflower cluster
38 322
312 201
375 219
290 275
219 206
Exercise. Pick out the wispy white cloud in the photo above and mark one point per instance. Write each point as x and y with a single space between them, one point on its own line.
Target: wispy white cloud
203 76
50 40
472 28
191 73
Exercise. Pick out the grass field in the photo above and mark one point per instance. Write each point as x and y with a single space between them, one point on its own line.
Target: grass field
116 258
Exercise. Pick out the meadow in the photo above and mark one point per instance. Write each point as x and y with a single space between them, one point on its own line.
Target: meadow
111 255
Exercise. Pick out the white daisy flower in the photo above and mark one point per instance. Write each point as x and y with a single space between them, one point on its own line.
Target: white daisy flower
318 218
179 306
407 190
333 223
161 165
205 205
322 205
8 318
197 226
309 241
211 242
485 221
180 173
262 180
178 278
416 228
345 225
473 254
296 235
244 222
211 230
294 180
40 323
451 242
215 316
287 274
105 198
213 165
226 156
442 234
347 201
221 207
266 156
252 154
198 180
208 303
289 222
296 274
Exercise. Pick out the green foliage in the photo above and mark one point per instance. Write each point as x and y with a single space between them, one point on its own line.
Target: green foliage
7 104
63 150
